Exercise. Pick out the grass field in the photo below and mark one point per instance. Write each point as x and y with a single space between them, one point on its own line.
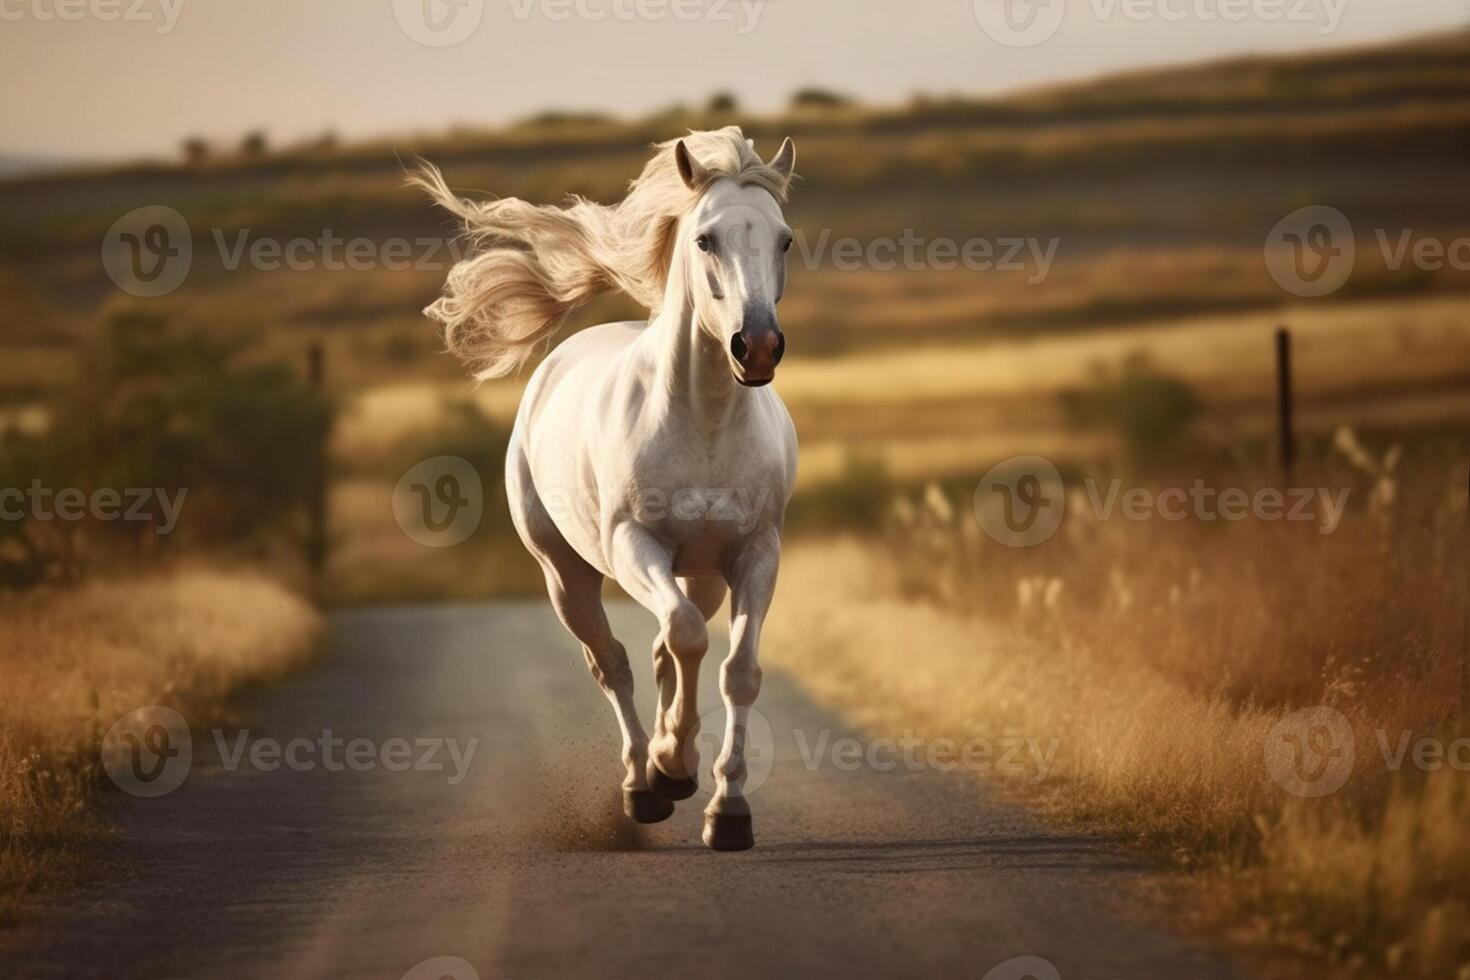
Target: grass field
1156 190
77 660
1162 655
1166 660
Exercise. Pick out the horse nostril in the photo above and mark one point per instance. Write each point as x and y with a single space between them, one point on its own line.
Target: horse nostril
780 348
738 348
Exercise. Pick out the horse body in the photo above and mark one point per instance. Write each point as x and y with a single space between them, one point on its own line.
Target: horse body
607 444
652 453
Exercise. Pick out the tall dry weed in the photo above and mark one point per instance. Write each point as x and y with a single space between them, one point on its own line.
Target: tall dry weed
74 661
1161 654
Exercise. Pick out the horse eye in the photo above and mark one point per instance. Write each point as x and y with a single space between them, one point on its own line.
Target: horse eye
786 245
705 243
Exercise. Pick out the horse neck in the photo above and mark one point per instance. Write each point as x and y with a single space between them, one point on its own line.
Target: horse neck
692 369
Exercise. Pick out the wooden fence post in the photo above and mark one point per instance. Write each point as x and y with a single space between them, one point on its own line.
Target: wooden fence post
1286 437
316 504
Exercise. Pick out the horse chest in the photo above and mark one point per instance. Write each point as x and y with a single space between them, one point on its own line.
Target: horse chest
705 505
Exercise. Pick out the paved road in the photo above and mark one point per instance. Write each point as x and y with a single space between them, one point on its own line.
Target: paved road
527 869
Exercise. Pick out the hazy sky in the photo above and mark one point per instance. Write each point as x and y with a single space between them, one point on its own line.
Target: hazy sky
133 77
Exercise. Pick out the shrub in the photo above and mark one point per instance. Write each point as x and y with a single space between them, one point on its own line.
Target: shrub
856 499
818 98
177 410
1150 411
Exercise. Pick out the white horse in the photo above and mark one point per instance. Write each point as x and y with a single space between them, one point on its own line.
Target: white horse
648 451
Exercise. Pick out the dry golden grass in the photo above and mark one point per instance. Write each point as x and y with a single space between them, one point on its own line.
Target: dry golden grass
1338 349
1160 655
75 661
376 561
995 399
383 418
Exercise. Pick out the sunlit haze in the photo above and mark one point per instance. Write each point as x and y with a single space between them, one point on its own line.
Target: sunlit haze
156 71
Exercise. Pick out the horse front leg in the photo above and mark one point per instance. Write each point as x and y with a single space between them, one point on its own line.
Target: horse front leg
673 759
643 566
752 577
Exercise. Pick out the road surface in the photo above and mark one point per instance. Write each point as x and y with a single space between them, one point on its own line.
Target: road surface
526 867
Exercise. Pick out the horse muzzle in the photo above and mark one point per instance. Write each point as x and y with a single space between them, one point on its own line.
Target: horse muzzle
756 351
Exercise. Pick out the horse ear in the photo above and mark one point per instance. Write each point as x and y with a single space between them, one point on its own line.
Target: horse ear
690 169
784 162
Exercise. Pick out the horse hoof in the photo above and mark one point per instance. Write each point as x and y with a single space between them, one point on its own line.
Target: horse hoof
728 832
644 807
669 788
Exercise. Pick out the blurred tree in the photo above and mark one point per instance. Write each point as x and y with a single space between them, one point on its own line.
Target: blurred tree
29 552
723 104
175 409
855 498
1151 411
463 429
254 145
673 116
818 98
565 118
196 151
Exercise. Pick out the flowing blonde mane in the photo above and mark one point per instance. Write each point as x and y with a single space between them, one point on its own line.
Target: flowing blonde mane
536 263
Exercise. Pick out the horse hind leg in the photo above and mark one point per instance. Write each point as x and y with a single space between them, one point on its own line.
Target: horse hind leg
575 589
673 760
577 597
